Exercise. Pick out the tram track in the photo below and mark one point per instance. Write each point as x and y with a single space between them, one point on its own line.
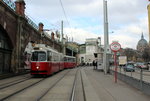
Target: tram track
72 97
41 89
13 79
58 82
63 86
84 97
13 92
78 92
39 98
5 85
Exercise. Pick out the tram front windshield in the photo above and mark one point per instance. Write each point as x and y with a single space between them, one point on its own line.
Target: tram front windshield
38 56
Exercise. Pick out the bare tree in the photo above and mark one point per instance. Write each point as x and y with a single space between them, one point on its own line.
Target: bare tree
130 53
146 54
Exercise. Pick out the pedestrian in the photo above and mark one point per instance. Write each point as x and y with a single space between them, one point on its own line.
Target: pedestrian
95 64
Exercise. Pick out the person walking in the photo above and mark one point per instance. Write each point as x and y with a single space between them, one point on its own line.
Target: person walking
94 62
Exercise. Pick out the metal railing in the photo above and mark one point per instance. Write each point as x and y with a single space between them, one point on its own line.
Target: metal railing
139 78
10 3
137 73
31 22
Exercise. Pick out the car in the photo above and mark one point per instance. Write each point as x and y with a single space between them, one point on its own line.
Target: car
142 65
129 67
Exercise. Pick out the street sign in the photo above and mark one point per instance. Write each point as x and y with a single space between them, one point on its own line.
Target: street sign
115 46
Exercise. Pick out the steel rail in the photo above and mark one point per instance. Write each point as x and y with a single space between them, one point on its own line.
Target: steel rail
74 87
22 90
13 82
39 98
83 87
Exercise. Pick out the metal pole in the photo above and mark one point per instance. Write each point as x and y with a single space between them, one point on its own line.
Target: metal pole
72 52
141 78
106 42
115 62
62 31
62 40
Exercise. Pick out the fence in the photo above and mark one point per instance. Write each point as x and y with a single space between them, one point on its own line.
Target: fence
139 79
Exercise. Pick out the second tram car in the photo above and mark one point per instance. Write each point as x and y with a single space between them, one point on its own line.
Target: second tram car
69 61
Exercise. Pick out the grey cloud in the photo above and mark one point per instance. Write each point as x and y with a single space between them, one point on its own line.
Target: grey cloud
121 13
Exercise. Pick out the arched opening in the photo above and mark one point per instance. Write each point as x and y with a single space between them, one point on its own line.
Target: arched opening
5 51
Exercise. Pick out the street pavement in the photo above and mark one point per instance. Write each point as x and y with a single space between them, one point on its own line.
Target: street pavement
105 89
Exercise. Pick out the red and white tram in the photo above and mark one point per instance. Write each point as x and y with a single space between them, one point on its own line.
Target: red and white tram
69 61
45 60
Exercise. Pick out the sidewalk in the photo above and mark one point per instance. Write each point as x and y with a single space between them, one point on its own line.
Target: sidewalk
107 90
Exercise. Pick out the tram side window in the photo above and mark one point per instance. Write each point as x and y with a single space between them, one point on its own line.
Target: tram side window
56 57
65 59
69 60
49 56
61 58
74 60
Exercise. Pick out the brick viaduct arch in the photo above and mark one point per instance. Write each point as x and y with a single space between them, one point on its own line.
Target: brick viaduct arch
18 31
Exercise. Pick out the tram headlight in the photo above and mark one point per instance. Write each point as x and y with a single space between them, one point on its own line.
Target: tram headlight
37 67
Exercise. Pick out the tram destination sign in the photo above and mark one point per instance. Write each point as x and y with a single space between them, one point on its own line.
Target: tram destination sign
115 46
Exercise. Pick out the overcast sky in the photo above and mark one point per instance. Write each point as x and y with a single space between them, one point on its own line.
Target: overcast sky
127 18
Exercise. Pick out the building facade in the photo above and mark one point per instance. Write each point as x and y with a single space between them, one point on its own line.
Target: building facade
142 44
87 50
